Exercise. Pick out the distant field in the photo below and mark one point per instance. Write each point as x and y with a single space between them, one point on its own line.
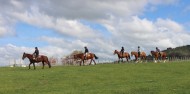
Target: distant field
149 78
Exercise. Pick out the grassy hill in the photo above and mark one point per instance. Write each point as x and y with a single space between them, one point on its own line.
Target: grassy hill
178 51
127 78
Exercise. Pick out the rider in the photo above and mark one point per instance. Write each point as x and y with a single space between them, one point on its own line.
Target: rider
139 51
36 53
85 52
122 51
158 50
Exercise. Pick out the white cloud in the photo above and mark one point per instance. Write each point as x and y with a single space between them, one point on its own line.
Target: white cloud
71 28
136 31
163 2
5 27
169 24
66 44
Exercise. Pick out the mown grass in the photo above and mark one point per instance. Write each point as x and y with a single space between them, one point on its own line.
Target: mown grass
149 78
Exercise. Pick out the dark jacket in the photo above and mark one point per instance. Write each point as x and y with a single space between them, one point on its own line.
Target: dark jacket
86 50
122 50
36 52
158 50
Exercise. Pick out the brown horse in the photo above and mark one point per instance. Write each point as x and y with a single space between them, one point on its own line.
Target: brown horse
156 55
41 58
90 56
142 55
120 56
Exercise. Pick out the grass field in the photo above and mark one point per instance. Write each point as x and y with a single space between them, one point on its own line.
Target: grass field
149 78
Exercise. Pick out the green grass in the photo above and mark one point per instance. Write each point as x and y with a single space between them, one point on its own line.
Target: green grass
149 78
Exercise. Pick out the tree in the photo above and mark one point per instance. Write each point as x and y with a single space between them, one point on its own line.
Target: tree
69 60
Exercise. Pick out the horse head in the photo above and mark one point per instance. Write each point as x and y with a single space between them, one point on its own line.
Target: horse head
115 52
132 53
23 56
74 56
152 52
77 56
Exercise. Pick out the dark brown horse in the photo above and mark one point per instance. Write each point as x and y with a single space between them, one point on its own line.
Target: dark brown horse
90 56
156 55
142 55
120 56
40 58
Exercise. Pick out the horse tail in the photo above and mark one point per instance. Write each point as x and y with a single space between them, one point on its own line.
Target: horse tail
95 56
48 62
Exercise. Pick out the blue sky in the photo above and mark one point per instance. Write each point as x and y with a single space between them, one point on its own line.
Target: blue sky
179 12
63 26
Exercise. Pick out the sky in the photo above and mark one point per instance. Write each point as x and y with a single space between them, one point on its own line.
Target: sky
58 27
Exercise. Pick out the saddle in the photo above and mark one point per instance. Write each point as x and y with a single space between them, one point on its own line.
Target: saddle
87 55
160 53
36 58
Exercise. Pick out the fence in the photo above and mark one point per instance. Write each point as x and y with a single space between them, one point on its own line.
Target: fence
179 58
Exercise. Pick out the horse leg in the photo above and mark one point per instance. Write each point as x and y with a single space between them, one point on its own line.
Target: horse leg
49 64
141 59
90 62
118 60
94 61
80 62
164 59
34 65
83 62
155 61
43 65
122 60
136 59
29 65
127 59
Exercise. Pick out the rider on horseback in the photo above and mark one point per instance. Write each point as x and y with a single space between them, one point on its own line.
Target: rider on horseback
158 50
122 51
36 53
85 52
139 51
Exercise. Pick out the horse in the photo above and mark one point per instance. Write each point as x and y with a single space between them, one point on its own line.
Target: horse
40 58
90 56
142 55
120 56
156 55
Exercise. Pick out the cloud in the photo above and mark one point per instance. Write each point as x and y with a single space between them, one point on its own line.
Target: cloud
5 27
91 10
136 31
169 24
71 28
166 2
66 44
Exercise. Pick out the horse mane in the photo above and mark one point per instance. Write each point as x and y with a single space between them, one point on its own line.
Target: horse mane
152 51
27 53
79 54
133 52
